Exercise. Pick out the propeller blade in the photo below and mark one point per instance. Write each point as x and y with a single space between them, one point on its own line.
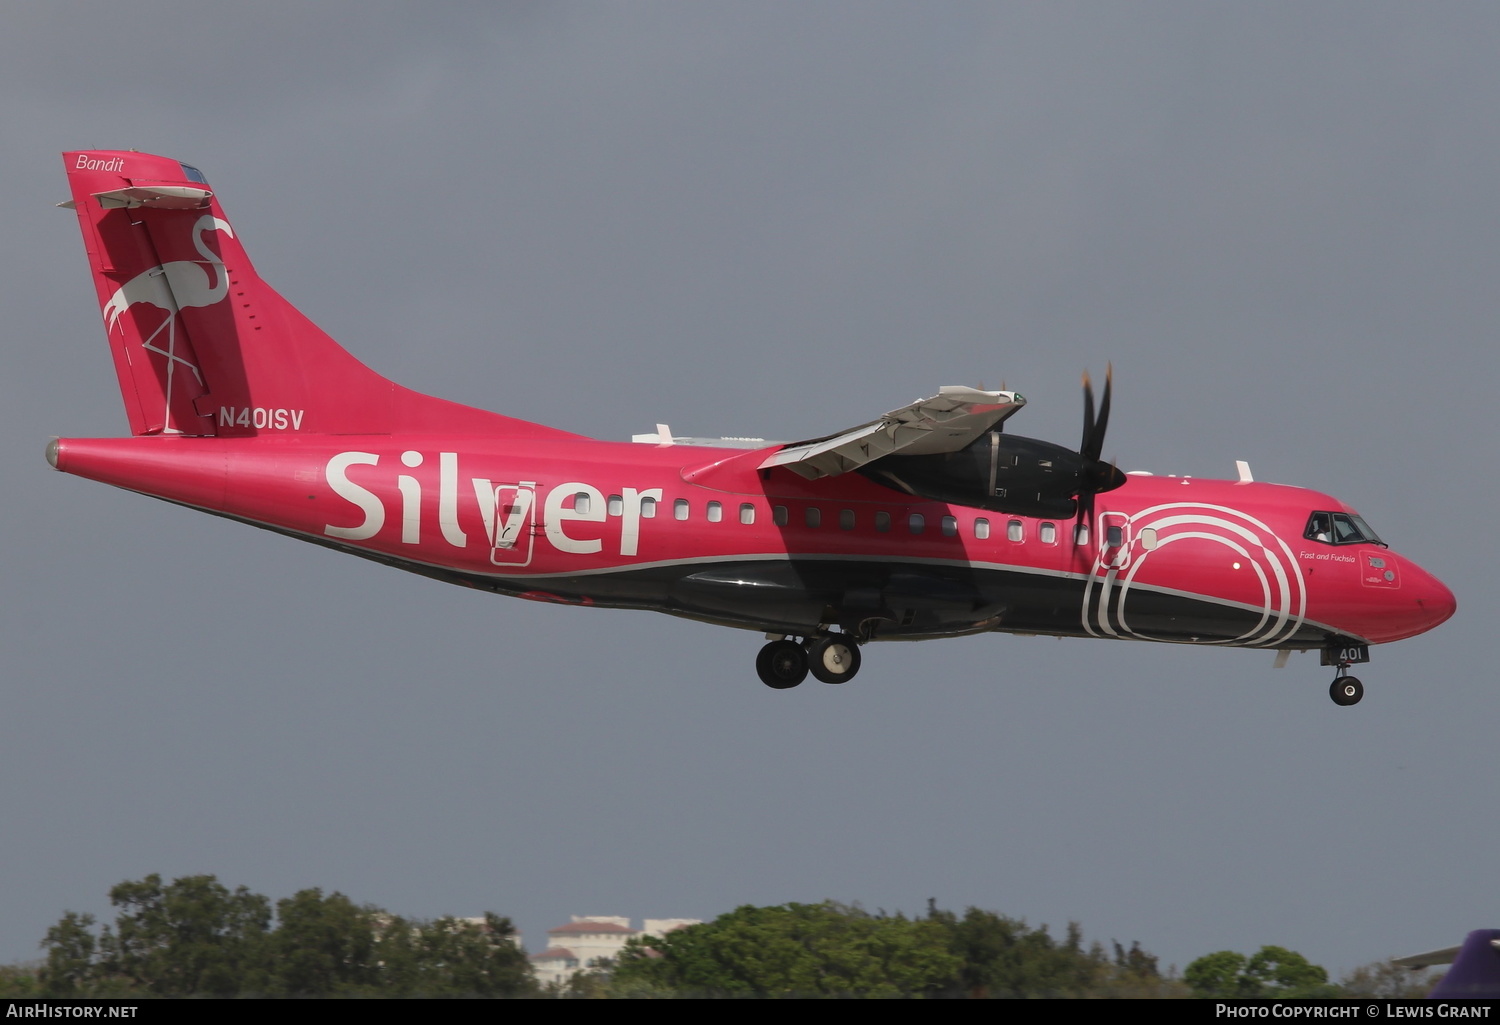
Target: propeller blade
1094 475
1102 424
1088 414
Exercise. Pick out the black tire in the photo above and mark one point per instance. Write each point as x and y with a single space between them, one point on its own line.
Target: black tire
834 659
781 665
1346 690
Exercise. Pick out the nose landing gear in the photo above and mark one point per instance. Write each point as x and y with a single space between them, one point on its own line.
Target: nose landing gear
783 663
1345 689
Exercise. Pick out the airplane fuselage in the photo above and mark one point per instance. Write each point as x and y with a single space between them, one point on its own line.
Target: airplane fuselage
930 521
619 525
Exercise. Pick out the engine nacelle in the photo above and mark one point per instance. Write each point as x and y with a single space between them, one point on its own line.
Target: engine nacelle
1001 473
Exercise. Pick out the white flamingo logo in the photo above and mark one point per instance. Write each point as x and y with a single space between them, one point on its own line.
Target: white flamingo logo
172 287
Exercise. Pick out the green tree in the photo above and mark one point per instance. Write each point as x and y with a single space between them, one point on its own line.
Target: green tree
1278 972
196 937
1136 974
452 957
193 936
20 981
832 950
793 950
323 946
69 968
1271 972
1216 975
1136 961
1383 980
596 982
1004 957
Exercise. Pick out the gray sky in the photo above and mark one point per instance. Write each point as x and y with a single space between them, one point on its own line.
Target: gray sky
1278 220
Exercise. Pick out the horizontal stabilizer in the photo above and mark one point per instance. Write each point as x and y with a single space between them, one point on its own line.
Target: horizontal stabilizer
156 197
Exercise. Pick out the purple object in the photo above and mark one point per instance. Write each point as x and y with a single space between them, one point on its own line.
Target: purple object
1476 969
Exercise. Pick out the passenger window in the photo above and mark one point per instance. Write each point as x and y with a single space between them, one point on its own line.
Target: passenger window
813 516
982 529
680 509
1047 534
846 519
616 505
715 512
1081 534
648 508
1014 531
916 523
581 503
883 521
778 515
747 513
950 526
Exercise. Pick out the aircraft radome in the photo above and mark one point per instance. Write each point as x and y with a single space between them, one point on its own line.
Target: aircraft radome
930 521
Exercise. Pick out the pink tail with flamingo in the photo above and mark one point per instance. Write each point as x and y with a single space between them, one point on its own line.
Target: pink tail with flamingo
201 345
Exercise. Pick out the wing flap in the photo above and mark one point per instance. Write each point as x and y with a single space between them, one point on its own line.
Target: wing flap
947 422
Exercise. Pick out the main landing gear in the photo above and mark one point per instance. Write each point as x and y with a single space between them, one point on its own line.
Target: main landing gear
1345 689
784 663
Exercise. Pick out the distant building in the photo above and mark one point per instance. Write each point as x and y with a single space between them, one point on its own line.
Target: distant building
588 939
555 964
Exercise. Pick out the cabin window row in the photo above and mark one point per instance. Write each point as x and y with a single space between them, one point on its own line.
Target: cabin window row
615 505
916 523
812 517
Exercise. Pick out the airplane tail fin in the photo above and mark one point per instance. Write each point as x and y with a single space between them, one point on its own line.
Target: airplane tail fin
201 345
1476 969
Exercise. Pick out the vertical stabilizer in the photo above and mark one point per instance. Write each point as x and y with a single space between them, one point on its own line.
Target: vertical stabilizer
1476 969
201 345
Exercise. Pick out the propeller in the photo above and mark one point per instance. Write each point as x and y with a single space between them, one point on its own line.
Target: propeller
1094 475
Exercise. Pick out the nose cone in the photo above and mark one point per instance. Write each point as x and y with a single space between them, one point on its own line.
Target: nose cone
1432 602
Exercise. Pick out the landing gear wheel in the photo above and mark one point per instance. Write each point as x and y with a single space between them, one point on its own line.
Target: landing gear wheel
1346 690
781 664
833 659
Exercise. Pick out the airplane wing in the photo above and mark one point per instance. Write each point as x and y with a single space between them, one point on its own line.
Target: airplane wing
1475 971
1428 959
947 422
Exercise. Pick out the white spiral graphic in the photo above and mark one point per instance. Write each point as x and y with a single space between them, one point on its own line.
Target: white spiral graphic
1283 590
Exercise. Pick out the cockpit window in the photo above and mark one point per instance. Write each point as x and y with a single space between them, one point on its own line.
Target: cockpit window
192 174
1336 528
